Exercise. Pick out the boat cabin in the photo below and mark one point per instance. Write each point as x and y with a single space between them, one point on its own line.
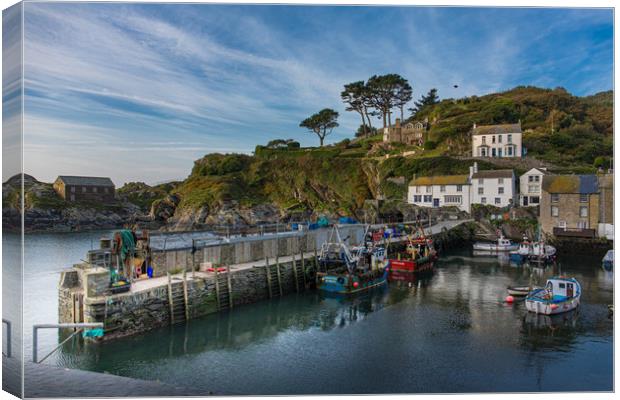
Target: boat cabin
561 288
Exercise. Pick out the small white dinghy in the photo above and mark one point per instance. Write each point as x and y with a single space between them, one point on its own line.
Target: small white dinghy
559 295
533 251
502 245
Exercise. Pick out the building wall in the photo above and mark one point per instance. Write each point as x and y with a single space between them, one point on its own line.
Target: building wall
84 193
531 190
478 140
436 193
490 188
568 211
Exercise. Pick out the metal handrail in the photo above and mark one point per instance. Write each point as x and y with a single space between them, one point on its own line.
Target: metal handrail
8 338
35 329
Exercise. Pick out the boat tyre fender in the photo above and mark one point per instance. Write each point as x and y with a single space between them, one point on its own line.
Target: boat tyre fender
341 280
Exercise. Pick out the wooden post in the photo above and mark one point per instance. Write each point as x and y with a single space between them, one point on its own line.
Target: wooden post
170 298
303 268
295 274
279 276
316 260
230 293
217 288
185 295
268 276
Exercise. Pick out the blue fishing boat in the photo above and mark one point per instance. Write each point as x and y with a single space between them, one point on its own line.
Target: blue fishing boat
351 271
608 261
560 294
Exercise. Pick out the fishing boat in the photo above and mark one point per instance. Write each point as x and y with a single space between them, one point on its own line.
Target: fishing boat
608 260
419 256
533 251
351 271
501 245
560 294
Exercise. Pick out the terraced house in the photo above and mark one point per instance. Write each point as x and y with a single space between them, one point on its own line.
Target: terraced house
497 140
570 205
441 191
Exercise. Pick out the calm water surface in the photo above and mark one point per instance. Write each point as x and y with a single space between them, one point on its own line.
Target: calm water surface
448 332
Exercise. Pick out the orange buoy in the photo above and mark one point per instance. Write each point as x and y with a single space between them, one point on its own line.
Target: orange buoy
509 299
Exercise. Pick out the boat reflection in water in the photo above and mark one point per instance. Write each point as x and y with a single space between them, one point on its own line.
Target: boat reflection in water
552 332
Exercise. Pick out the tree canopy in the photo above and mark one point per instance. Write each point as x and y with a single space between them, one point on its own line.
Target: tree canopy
321 123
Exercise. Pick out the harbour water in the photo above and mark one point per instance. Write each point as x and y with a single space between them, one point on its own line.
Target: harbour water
449 332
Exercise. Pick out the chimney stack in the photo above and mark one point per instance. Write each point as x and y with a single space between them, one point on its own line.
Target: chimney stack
474 125
397 123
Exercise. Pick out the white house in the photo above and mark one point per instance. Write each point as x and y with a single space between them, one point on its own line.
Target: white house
497 140
440 191
529 186
495 187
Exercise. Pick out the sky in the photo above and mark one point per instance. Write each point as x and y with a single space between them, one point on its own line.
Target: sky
137 92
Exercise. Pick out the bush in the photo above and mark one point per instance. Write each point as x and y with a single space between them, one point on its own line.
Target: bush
430 145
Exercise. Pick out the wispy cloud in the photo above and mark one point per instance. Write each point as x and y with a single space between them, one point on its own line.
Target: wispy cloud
154 86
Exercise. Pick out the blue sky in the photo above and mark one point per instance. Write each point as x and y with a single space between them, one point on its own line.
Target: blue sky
138 92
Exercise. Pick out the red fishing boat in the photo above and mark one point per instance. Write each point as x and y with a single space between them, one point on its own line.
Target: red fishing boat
419 256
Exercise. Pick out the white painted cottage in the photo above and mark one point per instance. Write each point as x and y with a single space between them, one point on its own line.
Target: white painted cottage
495 187
530 186
497 140
440 191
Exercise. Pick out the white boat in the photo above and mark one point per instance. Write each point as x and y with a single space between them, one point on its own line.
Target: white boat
502 245
533 251
559 295
608 260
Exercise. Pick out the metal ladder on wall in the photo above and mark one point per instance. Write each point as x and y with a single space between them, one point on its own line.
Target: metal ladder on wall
274 279
223 289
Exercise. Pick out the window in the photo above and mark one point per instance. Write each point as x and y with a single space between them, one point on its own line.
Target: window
582 224
442 188
493 139
498 200
499 138
555 211
583 198
480 190
72 197
72 189
500 190
428 198
459 188
509 151
530 178
499 152
417 198
484 152
532 188
583 211
94 190
534 199
83 189
555 197
484 140
480 181
428 189
452 199
509 138
500 181
483 200
537 178
562 224
562 285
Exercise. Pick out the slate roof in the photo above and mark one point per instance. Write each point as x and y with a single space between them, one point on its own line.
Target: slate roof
497 129
440 180
493 173
86 180
583 184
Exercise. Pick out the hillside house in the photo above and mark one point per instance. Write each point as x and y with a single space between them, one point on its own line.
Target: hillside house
85 188
530 184
569 205
606 206
440 191
497 140
494 187
411 133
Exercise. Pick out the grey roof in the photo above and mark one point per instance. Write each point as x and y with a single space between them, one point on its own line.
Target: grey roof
494 173
583 184
86 180
497 129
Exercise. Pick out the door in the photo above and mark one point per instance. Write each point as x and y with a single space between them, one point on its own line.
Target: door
493 154
525 199
569 290
435 202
